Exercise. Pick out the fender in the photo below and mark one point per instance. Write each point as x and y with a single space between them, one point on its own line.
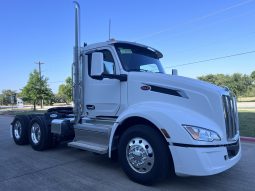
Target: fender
169 117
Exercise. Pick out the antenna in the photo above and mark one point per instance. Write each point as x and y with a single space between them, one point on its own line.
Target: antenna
109 29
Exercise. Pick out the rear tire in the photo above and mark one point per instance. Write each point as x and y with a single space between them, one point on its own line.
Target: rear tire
39 133
144 155
20 127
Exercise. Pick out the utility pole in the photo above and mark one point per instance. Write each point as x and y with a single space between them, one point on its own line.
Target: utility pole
39 64
40 74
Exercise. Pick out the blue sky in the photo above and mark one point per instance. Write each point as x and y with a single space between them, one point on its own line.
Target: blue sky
184 30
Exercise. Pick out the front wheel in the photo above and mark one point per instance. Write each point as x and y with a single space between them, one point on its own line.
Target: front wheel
144 155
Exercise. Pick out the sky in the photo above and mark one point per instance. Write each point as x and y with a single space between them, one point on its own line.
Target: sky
185 31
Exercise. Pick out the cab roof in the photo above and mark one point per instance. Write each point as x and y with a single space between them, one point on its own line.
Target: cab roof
112 41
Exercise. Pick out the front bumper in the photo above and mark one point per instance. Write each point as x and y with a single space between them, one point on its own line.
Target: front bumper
191 160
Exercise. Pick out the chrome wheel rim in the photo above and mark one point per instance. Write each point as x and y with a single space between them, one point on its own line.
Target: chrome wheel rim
17 130
140 155
35 133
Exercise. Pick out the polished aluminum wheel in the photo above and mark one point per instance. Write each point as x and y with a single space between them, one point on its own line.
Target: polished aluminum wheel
17 129
35 133
140 155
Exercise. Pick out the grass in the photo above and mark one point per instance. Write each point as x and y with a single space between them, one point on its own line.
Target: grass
247 122
246 99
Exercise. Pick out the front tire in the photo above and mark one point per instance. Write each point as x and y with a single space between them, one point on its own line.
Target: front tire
144 155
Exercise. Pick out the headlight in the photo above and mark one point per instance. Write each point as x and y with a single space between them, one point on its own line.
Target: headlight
201 134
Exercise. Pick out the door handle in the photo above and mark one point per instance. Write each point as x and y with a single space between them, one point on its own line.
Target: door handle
90 107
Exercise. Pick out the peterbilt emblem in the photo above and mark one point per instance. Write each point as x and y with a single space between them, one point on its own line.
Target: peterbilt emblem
146 88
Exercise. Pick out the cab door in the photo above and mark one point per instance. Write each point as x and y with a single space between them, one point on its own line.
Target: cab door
102 96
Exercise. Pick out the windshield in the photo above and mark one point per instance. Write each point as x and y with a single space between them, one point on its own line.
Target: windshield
136 58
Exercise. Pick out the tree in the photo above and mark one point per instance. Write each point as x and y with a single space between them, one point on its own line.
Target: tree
8 97
36 89
1 99
238 83
253 76
218 79
65 91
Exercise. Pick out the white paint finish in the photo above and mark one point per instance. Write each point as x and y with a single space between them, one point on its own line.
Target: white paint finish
110 43
203 98
103 94
171 117
201 161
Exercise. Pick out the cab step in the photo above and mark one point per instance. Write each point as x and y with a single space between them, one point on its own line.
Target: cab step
88 146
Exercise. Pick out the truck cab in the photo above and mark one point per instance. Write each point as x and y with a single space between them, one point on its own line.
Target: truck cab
125 105
125 86
107 68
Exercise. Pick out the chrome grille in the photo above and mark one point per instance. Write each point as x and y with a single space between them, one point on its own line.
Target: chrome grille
231 116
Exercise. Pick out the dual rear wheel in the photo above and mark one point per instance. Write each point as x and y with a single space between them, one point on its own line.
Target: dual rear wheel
36 132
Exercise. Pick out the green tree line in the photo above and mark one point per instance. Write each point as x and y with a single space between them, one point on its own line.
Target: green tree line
241 84
37 89
8 97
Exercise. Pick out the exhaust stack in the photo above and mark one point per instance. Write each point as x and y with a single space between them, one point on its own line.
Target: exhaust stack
76 66
77 24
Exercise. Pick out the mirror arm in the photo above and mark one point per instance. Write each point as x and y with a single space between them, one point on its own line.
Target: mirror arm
97 77
121 77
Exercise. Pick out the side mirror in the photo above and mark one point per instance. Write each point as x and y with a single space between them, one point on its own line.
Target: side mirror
97 64
174 72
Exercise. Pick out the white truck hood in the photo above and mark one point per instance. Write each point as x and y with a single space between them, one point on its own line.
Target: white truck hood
176 91
178 82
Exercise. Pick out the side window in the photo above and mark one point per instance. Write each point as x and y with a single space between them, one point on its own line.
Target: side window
109 66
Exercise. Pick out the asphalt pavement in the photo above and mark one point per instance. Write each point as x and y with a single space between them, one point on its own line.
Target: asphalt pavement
64 168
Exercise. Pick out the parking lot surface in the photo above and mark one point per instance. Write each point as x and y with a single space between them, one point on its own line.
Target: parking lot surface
64 168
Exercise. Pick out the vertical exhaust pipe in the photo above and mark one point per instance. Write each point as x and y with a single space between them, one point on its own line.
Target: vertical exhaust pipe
77 24
76 65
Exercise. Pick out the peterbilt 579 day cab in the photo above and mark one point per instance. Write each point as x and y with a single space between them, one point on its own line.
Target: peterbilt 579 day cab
125 105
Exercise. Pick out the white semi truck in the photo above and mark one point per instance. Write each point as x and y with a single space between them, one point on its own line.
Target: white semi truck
125 105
